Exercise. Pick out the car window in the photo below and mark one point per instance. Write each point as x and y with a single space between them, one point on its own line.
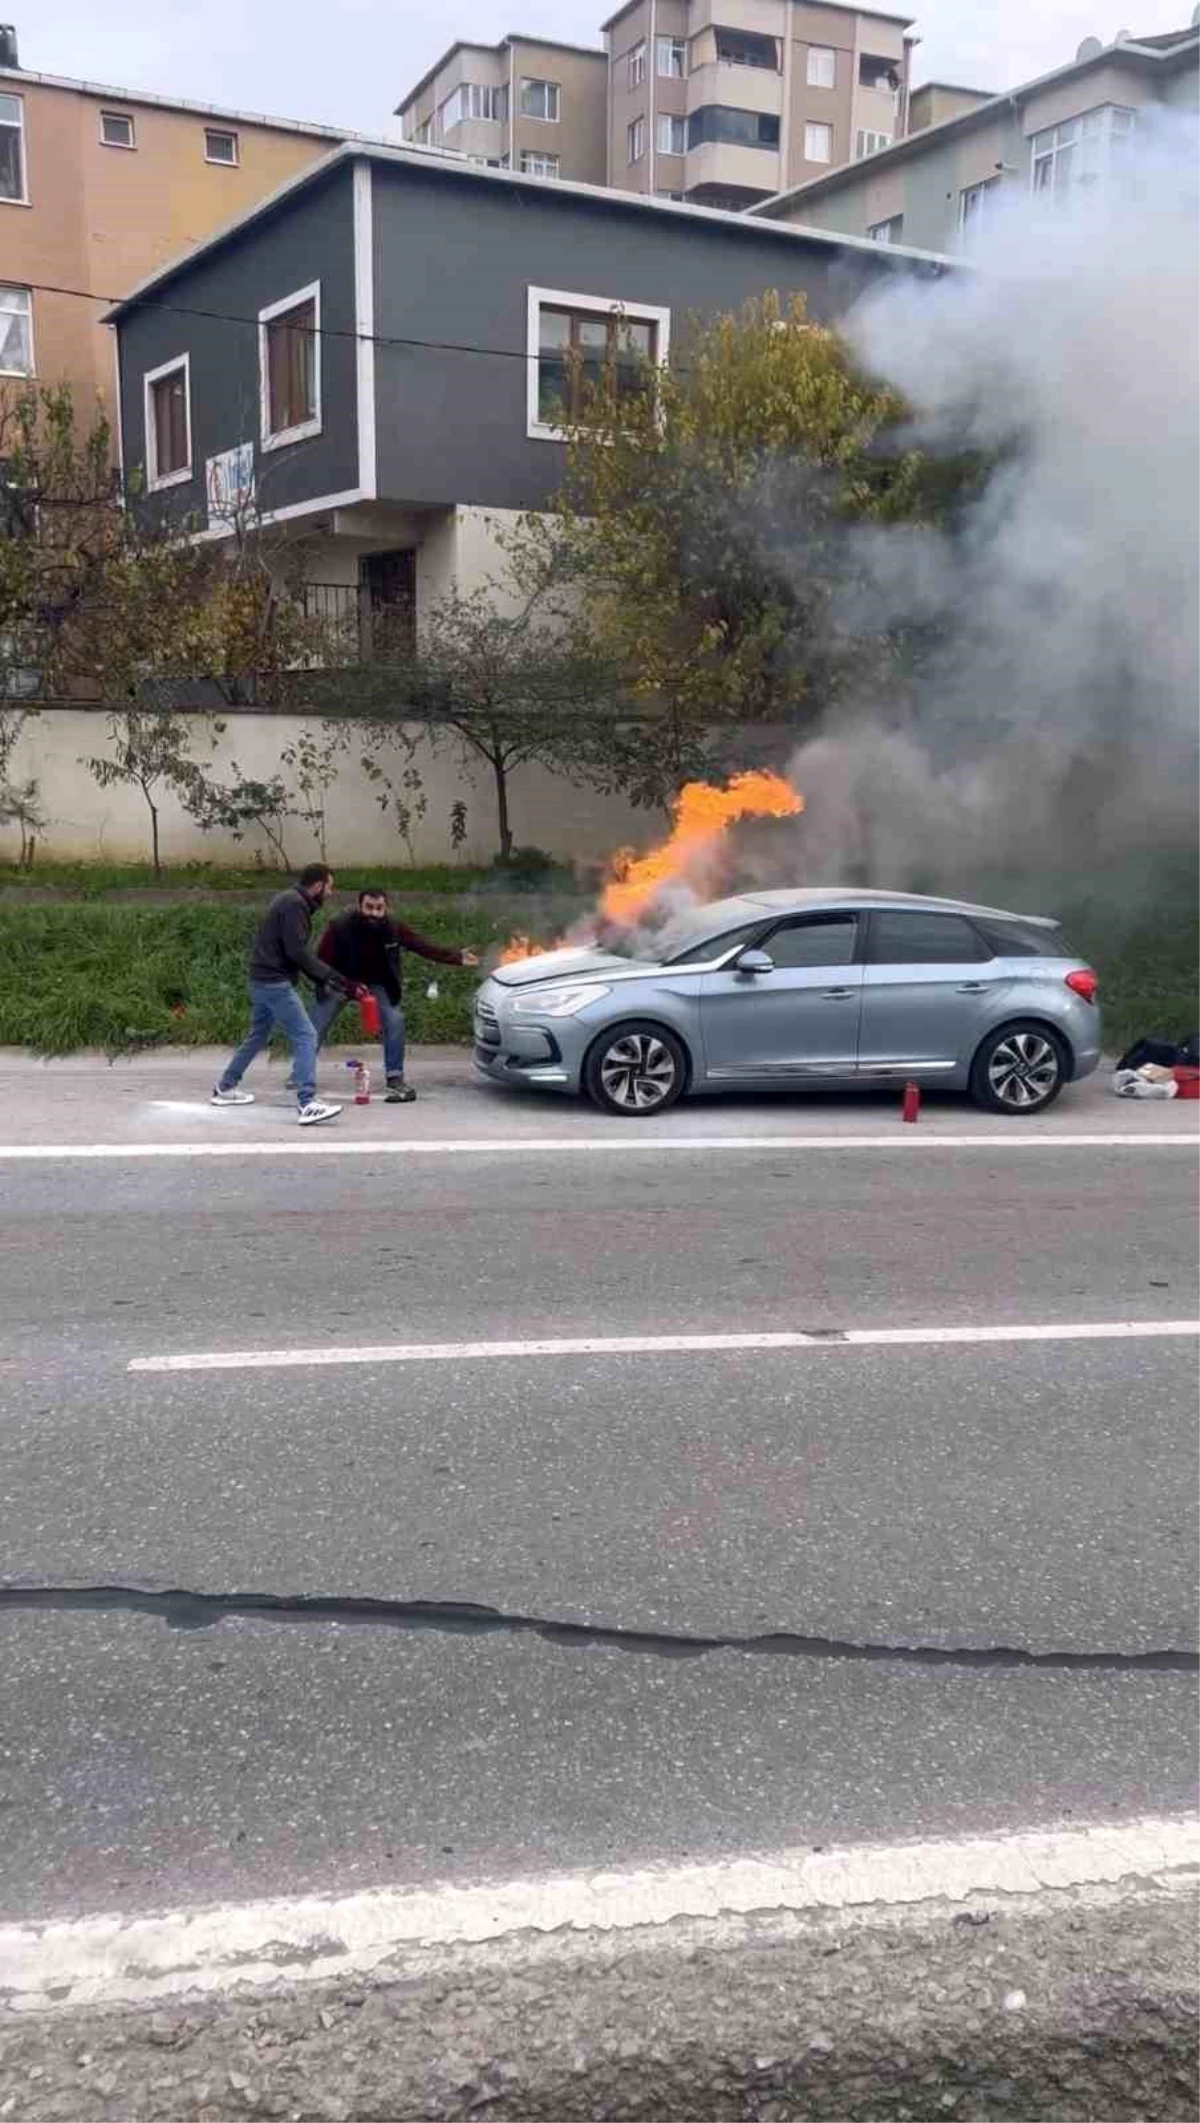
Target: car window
901 938
1010 939
716 946
820 940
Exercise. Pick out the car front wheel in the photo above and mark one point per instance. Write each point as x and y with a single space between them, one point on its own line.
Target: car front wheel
634 1070
1019 1069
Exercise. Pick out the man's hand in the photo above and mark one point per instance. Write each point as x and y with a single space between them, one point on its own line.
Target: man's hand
468 958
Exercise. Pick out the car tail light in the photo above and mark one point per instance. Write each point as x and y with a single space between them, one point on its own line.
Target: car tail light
1084 983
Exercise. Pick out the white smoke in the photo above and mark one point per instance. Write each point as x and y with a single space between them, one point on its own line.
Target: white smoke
1056 723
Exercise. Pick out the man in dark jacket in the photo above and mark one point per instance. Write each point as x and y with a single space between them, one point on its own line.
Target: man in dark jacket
363 947
279 954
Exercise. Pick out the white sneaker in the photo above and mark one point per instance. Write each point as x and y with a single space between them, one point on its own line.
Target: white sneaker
231 1098
317 1111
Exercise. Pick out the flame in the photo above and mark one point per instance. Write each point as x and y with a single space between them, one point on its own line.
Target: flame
701 814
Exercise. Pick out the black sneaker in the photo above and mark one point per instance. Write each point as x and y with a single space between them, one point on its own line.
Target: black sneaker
398 1093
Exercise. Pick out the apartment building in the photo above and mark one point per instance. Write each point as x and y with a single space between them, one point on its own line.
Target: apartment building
710 100
938 188
526 104
100 186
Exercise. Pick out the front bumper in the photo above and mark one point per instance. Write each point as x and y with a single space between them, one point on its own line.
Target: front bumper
516 1051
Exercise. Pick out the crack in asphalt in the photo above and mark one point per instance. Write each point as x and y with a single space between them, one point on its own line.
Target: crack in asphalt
205 1610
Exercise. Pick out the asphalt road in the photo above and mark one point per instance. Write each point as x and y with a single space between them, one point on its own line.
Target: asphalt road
1027 1508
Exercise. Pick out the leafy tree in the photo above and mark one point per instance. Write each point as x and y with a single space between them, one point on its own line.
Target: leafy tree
713 526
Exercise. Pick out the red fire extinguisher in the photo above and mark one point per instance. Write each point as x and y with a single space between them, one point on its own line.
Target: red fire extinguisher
912 1102
368 1016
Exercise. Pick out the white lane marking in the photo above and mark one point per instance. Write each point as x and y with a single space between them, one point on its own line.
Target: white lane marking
120 1958
659 1345
907 1140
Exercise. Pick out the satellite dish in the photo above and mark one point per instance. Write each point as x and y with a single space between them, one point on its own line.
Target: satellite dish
1122 37
1091 48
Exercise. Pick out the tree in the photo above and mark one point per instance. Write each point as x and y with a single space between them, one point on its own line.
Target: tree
515 684
150 751
712 525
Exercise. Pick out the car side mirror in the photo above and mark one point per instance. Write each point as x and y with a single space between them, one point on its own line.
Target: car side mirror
753 962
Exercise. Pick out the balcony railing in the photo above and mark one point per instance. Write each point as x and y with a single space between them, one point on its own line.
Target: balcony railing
357 622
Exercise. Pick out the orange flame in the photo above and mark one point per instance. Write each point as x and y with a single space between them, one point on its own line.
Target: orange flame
702 813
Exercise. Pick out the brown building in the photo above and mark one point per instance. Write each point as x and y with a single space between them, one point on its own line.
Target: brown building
98 187
525 104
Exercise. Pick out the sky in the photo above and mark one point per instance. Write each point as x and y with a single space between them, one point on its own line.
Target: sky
350 68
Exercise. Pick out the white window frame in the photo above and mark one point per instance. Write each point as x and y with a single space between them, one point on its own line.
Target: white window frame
671 46
879 141
635 141
17 287
637 63
122 118
818 125
535 155
535 117
1080 134
987 192
282 440
154 483
22 198
881 231
667 123
223 132
821 52
551 298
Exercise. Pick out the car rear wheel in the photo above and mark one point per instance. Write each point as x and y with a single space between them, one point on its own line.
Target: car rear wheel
634 1070
1019 1069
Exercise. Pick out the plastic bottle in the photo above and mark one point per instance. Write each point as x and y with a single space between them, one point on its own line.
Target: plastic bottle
362 1082
432 991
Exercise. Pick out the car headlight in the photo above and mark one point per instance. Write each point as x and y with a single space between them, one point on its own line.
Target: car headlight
559 1002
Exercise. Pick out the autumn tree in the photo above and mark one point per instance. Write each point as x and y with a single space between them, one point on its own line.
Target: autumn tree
712 523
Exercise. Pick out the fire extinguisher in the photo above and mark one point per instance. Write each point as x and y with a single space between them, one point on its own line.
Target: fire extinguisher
911 1107
362 1082
368 1016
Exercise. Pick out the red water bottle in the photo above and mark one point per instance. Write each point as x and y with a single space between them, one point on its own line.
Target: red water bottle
368 1016
362 1082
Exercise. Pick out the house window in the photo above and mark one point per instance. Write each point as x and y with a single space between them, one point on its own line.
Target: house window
672 58
116 129
887 231
534 164
878 74
818 143
541 99
637 65
12 148
744 47
424 132
635 140
578 343
473 99
220 146
168 414
976 205
867 143
672 134
734 128
1080 149
822 66
290 367
16 331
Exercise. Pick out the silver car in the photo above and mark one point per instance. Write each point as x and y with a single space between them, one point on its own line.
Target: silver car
788 988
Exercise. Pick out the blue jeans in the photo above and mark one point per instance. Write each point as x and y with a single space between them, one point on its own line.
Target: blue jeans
391 1018
276 1003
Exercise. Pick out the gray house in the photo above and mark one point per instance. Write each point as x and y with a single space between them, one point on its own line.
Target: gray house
378 353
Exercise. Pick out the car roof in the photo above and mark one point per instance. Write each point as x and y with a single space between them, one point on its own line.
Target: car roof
802 899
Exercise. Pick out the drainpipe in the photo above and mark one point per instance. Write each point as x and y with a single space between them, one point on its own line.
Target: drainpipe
652 68
785 122
512 108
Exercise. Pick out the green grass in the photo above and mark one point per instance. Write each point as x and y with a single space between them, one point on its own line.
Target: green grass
118 978
76 973
104 880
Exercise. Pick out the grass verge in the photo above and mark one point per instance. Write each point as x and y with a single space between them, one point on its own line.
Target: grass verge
76 975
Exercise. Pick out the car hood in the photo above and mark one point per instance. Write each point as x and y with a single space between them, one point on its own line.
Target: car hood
560 966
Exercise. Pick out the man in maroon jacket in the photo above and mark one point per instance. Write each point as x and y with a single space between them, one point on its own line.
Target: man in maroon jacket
362 949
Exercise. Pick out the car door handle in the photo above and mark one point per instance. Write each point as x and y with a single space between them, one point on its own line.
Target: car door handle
837 995
974 987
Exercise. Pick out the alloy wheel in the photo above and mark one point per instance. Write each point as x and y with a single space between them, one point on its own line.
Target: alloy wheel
637 1072
1023 1070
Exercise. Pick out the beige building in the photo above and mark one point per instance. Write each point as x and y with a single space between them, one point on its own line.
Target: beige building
98 187
525 104
723 102
938 189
